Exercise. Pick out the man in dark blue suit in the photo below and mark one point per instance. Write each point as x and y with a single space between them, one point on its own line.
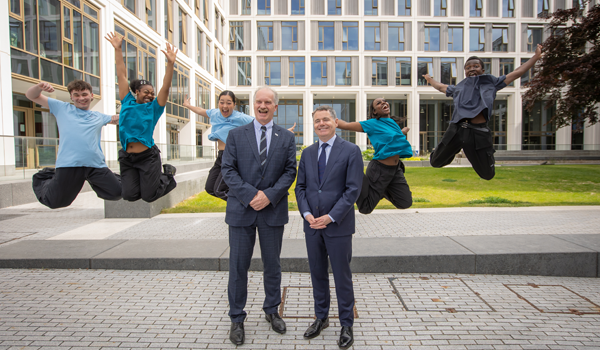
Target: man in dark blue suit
329 181
259 166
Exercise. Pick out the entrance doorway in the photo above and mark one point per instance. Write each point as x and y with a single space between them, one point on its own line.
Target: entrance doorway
36 135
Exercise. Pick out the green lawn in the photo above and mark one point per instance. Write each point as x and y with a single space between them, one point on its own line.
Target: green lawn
461 187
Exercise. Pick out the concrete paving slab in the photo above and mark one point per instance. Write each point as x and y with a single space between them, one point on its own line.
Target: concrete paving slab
162 255
53 254
530 255
100 229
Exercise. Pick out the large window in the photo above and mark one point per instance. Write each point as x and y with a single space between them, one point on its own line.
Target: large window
343 71
139 56
508 8
434 119
477 39
272 70
297 7
371 7
534 37
345 110
424 66
150 10
55 41
180 86
507 65
440 8
500 39
202 98
528 75
326 36
219 70
264 7
432 39
207 46
202 10
487 65
289 112
455 38
265 35
318 68
334 7
297 74
349 36
246 7
538 132
449 71
372 36
379 71
236 35
543 7
168 16
497 124
403 66
244 71
396 36
182 34
404 7
289 35
475 8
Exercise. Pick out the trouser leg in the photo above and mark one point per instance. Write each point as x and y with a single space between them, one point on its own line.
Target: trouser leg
215 186
479 149
319 275
270 239
241 246
340 255
398 192
447 149
105 183
375 183
59 188
130 177
153 183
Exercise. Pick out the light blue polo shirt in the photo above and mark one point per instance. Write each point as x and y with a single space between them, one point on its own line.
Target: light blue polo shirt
221 125
137 121
80 132
387 138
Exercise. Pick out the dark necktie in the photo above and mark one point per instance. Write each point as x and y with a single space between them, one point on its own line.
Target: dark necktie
263 146
322 161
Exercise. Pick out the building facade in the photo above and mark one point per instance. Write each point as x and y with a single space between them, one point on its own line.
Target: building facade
344 53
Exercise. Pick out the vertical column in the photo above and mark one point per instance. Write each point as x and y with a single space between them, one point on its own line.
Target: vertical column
414 123
591 137
7 144
514 122
308 122
563 138
361 106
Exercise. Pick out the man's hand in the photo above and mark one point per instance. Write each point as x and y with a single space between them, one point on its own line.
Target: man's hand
46 87
320 222
114 119
115 40
171 53
260 201
310 218
186 102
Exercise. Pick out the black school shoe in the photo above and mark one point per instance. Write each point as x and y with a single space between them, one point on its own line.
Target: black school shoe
169 169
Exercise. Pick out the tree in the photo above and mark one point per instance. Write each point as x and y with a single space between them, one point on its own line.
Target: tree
568 74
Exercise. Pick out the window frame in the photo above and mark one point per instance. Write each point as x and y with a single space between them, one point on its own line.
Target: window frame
322 61
292 70
400 61
324 39
376 36
401 36
294 29
269 61
347 62
270 37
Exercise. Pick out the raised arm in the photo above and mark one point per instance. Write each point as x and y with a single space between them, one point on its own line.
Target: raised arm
116 41
197 110
163 95
34 93
517 73
437 85
354 126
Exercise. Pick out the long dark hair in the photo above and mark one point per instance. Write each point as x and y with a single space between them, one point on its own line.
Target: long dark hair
227 93
136 84
371 114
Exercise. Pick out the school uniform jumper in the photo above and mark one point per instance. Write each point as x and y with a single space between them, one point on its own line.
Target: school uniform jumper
471 96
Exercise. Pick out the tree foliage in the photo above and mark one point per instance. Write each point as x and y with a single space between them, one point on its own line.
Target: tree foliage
568 74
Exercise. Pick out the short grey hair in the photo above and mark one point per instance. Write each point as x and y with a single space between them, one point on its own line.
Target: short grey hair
325 108
275 95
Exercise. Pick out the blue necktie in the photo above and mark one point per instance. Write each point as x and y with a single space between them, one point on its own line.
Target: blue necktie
263 146
322 161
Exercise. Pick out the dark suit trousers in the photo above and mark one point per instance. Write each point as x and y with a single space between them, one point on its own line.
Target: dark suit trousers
241 246
339 250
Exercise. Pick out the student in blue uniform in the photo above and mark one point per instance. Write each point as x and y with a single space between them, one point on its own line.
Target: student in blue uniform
222 120
80 157
141 171
473 103
385 173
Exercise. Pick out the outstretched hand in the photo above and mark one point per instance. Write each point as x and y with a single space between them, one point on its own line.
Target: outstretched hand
427 77
171 53
186 101
538 50
115 40
114 120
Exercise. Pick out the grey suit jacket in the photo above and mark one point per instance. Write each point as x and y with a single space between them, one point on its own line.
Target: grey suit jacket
243 174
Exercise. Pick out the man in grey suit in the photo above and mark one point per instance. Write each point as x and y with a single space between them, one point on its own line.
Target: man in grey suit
329 181
259 166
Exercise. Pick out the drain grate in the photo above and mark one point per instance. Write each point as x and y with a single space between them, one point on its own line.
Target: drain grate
554 299
298 302
449 294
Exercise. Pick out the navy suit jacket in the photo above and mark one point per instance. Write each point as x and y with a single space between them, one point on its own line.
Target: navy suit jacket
338 191
243 174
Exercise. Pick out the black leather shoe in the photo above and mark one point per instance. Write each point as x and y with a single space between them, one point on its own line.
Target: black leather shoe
316 328
346 337
236 333
169 169
277 322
